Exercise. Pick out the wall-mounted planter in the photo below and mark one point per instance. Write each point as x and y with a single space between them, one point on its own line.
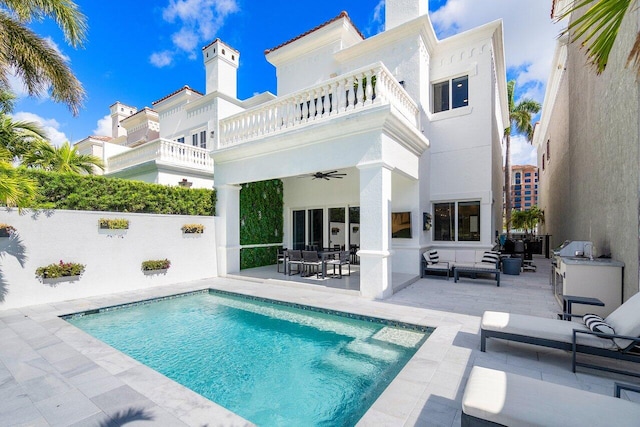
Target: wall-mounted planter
7 230
155 266
55 280
155 272
60 272
192 229
113 226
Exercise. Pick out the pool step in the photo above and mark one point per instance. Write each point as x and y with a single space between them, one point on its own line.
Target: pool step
349 364
402 337
372 351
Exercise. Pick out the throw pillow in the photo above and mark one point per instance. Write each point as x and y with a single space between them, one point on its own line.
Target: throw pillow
597 324
434 257
491 257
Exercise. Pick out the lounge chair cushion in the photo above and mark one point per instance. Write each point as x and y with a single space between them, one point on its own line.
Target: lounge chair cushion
626 320
541 327
514 400
597 324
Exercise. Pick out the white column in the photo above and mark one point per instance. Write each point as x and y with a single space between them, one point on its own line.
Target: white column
375 230
228 228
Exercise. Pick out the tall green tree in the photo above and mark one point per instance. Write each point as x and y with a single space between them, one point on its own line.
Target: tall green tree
520 116
64 159
42 68
597 29
528 220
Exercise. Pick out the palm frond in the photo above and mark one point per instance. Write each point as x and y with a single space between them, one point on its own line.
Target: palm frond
597 28
39 65
64 12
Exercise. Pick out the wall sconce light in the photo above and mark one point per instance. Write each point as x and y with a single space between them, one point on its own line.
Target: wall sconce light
426 221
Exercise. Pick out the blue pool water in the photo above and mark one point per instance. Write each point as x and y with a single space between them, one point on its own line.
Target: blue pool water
272 364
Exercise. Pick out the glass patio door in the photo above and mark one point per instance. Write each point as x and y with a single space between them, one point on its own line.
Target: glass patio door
316 228
298 230
337 228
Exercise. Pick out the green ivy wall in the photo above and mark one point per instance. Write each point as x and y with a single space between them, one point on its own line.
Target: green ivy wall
261 222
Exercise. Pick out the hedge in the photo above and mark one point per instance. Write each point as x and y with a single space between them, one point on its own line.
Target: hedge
257 257
98 193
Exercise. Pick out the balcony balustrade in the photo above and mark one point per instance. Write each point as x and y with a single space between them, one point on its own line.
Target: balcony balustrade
164 151
349 93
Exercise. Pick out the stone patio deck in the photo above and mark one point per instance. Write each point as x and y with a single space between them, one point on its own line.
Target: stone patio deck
52 374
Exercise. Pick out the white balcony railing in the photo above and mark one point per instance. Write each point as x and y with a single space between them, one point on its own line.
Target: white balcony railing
339 96
163 150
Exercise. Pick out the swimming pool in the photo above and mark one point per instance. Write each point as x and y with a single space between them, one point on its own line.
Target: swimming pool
271 363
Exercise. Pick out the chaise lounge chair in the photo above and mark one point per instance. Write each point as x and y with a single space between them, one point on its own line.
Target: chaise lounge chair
616 336
496 398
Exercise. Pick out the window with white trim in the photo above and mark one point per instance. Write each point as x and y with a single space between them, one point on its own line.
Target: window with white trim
451 94
203 139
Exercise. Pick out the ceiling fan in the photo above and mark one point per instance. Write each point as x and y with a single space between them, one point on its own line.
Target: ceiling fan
326 175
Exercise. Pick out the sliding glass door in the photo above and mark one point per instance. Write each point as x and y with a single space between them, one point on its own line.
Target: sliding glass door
316 228
298 230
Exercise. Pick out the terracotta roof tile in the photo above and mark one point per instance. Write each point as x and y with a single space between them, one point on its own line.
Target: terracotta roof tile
343 14
185 87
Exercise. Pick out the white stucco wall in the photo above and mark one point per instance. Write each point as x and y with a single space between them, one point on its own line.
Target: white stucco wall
113 263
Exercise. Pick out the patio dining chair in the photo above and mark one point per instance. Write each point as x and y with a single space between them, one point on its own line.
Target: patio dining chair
311 263
281 259
343 259
295 260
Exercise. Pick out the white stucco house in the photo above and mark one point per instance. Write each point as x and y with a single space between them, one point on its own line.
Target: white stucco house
413 126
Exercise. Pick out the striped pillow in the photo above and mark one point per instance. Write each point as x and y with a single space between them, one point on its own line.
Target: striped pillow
491 257
434 257
597 324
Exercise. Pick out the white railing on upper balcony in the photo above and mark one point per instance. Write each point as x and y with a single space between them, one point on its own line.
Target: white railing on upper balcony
339 96
163 150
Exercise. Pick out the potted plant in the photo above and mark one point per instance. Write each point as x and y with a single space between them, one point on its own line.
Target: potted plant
155 266
61 271
193 229
6 230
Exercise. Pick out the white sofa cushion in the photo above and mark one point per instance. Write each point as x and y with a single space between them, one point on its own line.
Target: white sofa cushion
514 400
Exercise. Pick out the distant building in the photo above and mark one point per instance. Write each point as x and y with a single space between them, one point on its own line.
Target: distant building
524 187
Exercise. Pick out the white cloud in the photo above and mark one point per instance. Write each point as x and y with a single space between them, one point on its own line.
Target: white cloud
522 152
55 47
50 126
198 20
161 59
529 33
103 126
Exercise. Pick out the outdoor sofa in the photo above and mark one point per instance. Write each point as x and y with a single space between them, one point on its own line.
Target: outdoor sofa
496 398
471 260
616 336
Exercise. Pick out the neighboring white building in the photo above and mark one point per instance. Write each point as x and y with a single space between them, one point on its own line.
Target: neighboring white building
414 123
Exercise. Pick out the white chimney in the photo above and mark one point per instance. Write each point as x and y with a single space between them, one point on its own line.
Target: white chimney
119 112
221 68
397 12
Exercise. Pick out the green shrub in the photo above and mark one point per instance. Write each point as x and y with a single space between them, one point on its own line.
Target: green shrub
61 269
156 264
114 224
98 193
193 228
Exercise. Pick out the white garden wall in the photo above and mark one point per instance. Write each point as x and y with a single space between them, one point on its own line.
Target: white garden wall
113 263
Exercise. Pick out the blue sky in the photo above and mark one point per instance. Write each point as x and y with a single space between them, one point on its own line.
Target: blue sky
138 51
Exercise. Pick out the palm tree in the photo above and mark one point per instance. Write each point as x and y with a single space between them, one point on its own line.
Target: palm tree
597 30
15 189
65 159
520 115
17 137
42 68
528 220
